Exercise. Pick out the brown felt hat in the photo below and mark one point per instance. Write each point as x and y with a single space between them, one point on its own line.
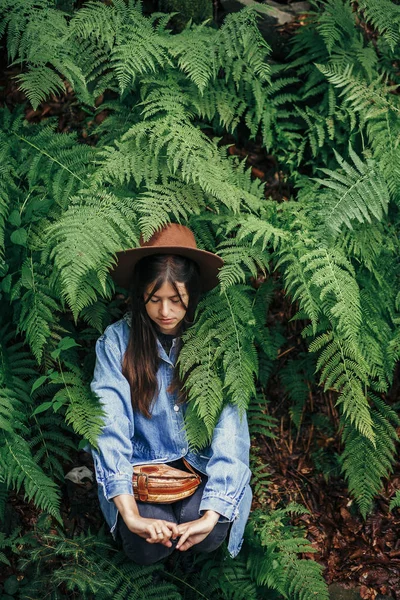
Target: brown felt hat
171 239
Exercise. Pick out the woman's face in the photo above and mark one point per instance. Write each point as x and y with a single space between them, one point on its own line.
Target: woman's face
165 307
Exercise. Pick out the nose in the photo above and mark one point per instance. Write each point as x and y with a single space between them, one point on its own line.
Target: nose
164 309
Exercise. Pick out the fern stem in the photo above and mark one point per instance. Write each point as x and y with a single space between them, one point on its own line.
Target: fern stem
20 137
235 326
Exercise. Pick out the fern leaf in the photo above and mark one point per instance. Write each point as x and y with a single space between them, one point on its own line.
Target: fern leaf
384 16
358 193
83 410
197 59
38 309
395 501
161 202
82 243
336 20
18 467
333 274
365 464
40 82
344 369
275 563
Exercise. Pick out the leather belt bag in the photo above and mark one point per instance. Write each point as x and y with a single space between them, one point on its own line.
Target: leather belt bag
163 484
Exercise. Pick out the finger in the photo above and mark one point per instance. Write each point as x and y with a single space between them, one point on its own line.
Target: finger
183 538
182 528
153 533
161 534
165 532
188 544
174 530
182 531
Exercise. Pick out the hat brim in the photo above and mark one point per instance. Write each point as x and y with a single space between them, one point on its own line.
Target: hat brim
209 263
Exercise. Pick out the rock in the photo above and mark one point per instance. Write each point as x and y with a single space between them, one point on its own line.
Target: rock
337 592
272 16
271 11
78 474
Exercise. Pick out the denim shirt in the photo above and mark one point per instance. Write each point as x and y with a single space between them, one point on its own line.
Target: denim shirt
128 438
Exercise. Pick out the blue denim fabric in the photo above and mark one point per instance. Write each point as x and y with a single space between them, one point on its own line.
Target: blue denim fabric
128 438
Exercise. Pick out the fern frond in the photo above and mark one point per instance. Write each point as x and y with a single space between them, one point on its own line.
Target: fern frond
242 45
99 21
273 560
228 359
51 444
260 422
190 153
40 82
17 367
57 161
234 256
344 369
82 243
364 463
203 382
230 577
335 22
358 192
384 16
370 99
298 283
38 308
18 467
334 276
252 236
88 564
16 17
160 202
197 59
82 408
395 501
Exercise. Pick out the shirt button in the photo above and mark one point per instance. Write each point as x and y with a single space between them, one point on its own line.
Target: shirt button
176 408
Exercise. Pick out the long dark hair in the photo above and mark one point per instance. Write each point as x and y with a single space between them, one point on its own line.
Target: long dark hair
141 360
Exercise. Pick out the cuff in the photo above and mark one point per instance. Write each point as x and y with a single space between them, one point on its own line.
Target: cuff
115 485
222 505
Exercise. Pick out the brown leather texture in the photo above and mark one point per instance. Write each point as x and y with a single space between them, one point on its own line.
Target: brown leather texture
163 484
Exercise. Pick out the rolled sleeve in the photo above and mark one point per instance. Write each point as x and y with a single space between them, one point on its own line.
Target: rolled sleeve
118 484
228 467
112 460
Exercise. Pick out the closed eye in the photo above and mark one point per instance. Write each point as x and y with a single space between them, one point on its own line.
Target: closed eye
174 301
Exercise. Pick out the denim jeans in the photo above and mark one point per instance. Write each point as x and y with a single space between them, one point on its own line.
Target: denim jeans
143 553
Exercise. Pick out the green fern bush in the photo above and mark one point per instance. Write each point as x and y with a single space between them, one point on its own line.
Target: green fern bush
330 117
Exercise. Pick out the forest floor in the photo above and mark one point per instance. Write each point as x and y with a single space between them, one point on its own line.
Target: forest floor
359 555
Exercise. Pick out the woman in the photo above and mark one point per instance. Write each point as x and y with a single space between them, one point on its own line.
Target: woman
136 381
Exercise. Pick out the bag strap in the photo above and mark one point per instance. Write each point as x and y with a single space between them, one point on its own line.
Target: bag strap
142 483
191 469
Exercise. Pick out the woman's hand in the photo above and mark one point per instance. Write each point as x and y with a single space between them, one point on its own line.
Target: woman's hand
195 532
154 531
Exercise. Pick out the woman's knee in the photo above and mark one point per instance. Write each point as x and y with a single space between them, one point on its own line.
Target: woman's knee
147 556
137 549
